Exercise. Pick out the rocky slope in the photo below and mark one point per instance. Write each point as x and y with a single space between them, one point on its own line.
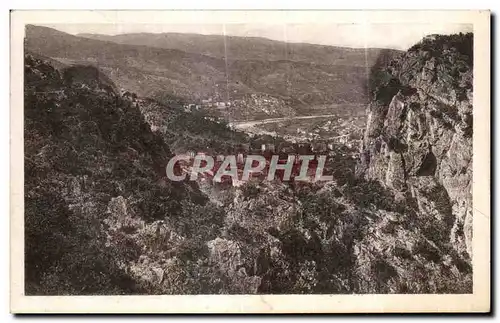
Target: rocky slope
94 184
418 141
402 225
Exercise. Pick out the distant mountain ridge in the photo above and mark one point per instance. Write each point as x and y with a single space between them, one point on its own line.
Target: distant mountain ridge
247 48
303 76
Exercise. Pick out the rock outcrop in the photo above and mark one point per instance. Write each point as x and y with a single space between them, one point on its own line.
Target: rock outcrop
418 139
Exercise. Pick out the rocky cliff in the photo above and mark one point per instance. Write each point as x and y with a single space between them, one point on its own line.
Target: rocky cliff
418 138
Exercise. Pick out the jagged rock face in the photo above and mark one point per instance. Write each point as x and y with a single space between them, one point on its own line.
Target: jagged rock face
419 131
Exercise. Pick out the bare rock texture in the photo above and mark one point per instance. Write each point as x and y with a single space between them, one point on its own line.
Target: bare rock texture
418 139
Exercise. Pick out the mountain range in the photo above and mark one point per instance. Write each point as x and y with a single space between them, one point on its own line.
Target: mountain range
246 48
191 68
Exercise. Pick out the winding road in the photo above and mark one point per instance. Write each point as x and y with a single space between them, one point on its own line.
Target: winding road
241 125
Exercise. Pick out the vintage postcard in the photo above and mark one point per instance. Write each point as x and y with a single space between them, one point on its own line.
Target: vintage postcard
250 161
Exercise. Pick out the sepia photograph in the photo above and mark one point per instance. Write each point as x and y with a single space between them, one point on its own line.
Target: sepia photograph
299 157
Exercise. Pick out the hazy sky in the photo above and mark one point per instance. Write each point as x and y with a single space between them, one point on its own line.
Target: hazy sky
399 36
